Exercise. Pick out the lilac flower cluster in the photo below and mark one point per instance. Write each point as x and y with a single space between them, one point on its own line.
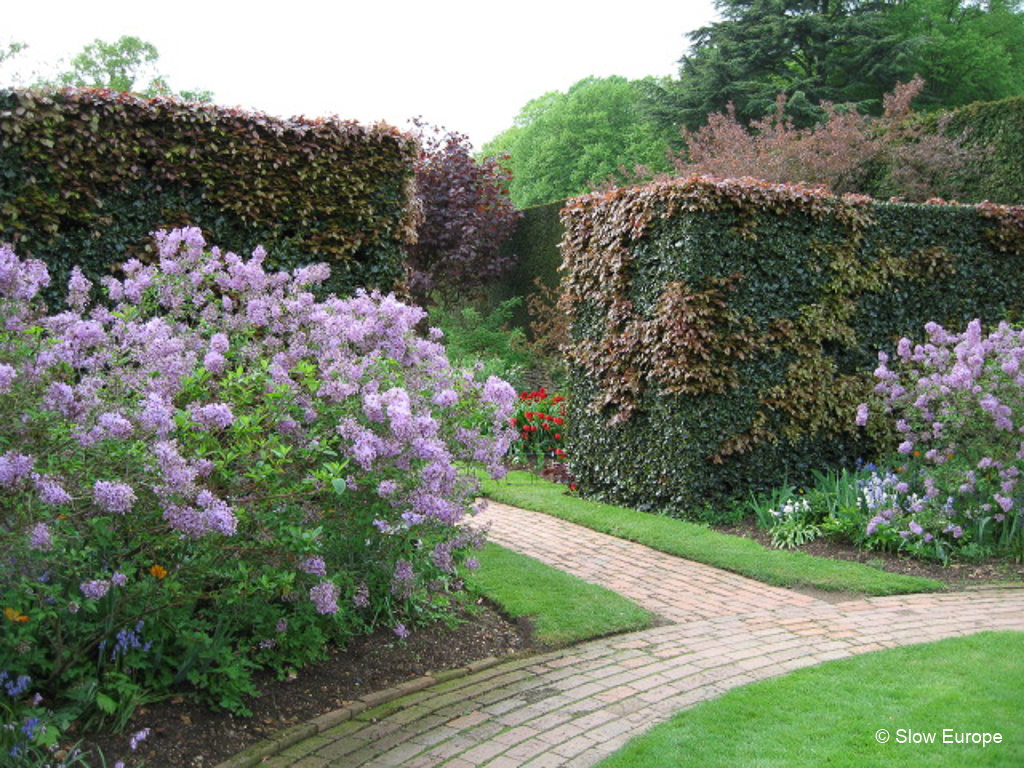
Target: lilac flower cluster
95 589
150 397
957 403
325 596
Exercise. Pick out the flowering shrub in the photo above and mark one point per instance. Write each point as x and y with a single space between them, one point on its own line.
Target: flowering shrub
956 402
540 420
217 472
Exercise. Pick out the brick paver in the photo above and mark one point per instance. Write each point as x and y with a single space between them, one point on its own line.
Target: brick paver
576 706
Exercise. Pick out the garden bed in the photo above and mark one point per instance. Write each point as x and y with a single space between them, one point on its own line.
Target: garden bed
956 575
185 735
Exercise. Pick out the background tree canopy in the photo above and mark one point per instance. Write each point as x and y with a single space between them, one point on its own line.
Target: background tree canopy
844 51
562 142
129 64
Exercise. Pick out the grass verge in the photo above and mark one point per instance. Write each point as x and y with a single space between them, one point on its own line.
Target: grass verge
563 608
695 542
830 714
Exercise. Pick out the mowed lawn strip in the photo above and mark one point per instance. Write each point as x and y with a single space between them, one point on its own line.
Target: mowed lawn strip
563 608
747 557
833 714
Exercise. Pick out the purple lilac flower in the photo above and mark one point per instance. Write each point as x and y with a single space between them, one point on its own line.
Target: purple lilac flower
1005 503
118 579
219 343
156 414
214 362
39 537
499 392
862 414
50 491
387 488
113 497
214 416
282 626
13 467
361 598
95 589
115 425
404 570
905 447
446 398
325 596
315 566
916 528
7 374
442 556
217 513
472 563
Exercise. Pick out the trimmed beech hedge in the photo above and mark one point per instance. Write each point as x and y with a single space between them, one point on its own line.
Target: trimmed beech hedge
724 332
86 175
998 125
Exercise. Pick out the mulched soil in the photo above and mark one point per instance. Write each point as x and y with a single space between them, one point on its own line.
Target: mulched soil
186 735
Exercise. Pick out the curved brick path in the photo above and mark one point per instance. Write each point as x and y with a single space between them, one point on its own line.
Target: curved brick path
576 706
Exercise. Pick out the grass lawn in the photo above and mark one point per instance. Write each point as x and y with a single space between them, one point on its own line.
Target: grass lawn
563 608
696 542
830 714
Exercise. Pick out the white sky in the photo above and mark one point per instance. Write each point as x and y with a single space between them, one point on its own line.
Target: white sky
469 66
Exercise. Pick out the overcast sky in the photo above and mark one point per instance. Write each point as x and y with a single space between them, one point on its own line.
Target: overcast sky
469 65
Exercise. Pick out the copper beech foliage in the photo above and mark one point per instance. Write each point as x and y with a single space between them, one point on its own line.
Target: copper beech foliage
88 174
891 155
758 308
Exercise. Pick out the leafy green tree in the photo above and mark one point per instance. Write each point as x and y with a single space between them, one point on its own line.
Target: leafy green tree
966 51
563 143
844 51
124 65
9 50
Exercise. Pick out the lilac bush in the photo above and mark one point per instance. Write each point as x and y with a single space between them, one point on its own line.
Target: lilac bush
957 404
217 453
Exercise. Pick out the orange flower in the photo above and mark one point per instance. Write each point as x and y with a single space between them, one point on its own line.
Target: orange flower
158 571
14 615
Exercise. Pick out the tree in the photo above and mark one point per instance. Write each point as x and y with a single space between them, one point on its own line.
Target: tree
844 51
467 214
9 50
562 143
891 155
966 51
122 66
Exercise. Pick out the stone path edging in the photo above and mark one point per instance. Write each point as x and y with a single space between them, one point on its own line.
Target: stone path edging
575 706
258 753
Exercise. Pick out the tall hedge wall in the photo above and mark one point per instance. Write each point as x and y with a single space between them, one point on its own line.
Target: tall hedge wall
87 175
723 333
999 125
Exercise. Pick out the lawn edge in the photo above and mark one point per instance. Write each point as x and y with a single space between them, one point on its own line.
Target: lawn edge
898 583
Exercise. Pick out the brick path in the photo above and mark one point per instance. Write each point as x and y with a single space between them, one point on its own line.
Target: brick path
576 706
